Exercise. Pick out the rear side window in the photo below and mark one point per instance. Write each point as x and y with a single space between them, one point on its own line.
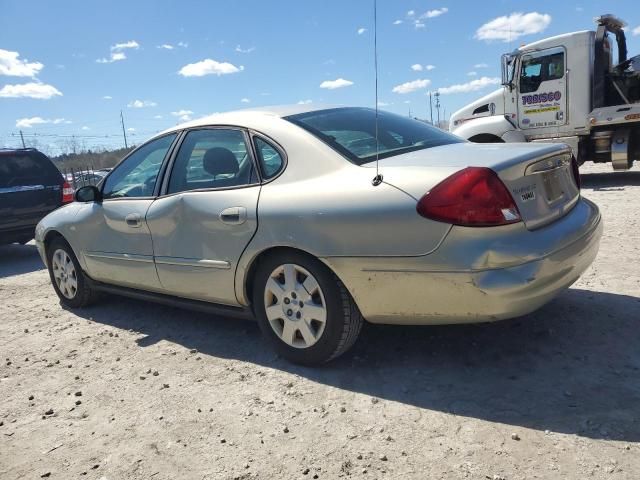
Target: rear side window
270 159
212 158
25 169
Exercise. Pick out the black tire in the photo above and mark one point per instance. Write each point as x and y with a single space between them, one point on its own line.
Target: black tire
84 294
343 320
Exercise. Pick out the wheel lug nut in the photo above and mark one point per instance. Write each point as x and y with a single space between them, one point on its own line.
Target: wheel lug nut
301 304
293 295
289 312
286 300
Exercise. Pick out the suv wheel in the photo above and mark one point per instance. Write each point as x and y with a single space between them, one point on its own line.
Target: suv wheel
67 277
303 309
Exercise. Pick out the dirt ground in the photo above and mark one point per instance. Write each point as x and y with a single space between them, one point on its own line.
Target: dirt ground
131 390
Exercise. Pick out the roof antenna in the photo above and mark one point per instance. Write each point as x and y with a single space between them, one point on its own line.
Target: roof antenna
377 180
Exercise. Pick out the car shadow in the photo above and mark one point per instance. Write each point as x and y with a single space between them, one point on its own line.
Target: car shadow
572 367
610 180
18 259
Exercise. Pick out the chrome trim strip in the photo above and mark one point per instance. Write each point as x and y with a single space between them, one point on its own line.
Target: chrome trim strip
120 256
22 188
193 262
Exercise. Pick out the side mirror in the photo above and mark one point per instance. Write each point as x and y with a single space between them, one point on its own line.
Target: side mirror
90 193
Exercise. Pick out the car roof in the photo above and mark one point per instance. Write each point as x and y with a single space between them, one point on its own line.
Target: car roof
244 116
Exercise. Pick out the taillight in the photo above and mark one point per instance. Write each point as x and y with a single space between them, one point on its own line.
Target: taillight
67 193
473 197
576 171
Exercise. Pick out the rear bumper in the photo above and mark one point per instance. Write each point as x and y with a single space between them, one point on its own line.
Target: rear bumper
476 275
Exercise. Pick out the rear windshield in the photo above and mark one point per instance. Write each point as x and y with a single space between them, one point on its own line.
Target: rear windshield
352 132
24 169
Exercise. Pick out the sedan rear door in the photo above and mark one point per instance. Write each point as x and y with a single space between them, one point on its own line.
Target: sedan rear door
207 216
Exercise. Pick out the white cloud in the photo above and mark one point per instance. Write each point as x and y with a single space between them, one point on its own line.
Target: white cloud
418 24
183 115
337 83
107 97
481 65
245 100
209 67
383 104
412 86
636 31
507 28
472 74
122 46
416 67
305 102
41 91
165 46
84 127
361 30
397 22
141 104
13 66
471 86
30 122
411 13
114 57
429 67
131 129
239 49
183 44
158 117
435 13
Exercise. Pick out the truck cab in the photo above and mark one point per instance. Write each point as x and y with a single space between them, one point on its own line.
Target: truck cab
564 89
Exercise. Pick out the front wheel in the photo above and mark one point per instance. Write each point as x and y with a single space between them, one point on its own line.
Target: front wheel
303 309
67 277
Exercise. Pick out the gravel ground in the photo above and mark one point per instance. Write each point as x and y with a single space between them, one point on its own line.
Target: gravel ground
129 390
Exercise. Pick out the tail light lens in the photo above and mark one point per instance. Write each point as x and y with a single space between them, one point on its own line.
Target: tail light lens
473 197
67 193
576 171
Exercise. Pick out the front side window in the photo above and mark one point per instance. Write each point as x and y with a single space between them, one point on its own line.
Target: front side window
352 132
537 69
212 158
137 175
270 160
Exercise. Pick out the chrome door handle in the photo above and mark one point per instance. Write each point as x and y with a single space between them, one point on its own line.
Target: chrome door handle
133 220
234 215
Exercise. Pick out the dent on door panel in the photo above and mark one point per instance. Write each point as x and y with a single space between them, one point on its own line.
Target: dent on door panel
196 252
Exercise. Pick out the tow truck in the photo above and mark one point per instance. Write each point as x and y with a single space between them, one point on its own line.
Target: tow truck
569 89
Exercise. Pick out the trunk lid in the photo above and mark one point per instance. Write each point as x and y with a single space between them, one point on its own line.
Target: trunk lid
539 177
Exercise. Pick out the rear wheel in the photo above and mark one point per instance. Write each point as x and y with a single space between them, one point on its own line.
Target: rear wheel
303 309
67 277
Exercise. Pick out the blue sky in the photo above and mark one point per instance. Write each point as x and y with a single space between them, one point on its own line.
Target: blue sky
163 61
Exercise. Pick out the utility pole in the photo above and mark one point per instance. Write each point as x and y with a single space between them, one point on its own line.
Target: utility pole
437 95
124 132
431 107
22 138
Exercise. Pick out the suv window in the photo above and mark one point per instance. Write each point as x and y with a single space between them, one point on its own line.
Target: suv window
270 160
212 158
136 175
19 169
537 69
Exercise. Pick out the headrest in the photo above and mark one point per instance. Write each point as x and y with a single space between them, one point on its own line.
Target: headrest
220 161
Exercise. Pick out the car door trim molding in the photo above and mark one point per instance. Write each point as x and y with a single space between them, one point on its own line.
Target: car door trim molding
193 262
120 256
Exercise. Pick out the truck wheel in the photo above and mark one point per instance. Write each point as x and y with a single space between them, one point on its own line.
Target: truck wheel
67 276
303 310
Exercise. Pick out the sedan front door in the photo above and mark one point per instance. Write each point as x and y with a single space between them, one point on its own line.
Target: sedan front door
207 216
114 237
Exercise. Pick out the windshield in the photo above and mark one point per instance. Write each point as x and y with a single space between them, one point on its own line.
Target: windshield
352 132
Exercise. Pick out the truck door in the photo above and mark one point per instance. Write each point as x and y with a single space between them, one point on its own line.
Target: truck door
542 89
